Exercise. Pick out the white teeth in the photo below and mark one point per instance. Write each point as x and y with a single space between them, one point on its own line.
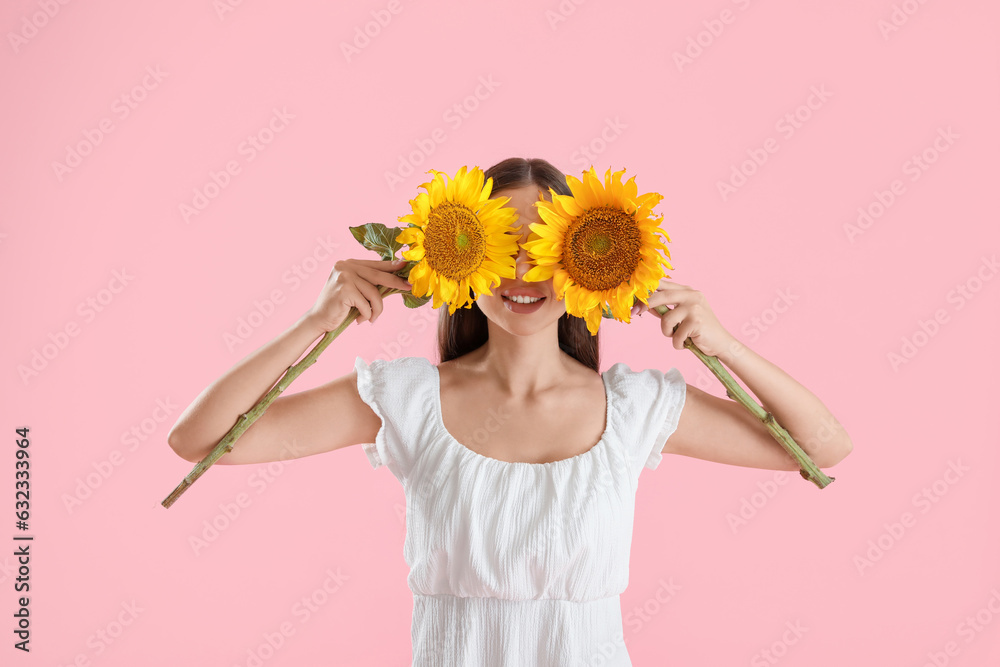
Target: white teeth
524 299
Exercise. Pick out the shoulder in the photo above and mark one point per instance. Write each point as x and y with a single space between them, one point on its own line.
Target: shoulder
647 404
462 373
451 371
395 363
644 387
621 373
393 373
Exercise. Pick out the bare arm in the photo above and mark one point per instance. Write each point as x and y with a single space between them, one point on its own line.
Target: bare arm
294 425
722 430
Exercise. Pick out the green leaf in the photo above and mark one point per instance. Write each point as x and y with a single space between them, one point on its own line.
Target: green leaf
404 272
415 301
376 236
606 312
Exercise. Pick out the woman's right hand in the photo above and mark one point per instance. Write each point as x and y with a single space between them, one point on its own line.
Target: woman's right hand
353 283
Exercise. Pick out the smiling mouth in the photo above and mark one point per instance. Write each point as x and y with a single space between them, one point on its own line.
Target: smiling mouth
523 299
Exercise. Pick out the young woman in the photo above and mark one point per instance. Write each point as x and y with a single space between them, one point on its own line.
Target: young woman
518 457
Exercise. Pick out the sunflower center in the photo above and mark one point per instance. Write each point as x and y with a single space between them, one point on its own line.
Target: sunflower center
602 248
453 240
600 244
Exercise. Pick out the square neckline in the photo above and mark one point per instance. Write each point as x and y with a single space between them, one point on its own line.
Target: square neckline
439 422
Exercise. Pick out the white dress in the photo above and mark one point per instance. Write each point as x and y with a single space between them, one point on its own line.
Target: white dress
515 563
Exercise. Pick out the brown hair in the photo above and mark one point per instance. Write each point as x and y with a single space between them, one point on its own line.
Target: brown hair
467 329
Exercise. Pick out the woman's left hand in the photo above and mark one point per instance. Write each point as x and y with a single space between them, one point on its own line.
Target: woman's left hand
689 310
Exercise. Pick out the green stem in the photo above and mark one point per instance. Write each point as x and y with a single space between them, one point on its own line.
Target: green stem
245 420
807 468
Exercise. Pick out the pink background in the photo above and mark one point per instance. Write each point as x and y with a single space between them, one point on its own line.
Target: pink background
598 76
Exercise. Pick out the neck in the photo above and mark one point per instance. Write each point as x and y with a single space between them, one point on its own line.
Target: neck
524 364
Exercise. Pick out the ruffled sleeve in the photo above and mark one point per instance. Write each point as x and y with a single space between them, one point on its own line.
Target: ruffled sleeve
647 407
389 390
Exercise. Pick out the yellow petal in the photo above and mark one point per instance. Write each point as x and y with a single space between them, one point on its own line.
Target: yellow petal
560 282
581 193
548 232
537 274
421 284
433 288
422 206
589 299
505 270
595 187
573 300
490 205
452 188
437 192
551 218
649 200
621 302
630 189
479 284
569 206
613 184
410 235
470 188
448 288
477 190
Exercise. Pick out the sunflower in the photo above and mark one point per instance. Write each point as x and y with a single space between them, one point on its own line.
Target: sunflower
599 245
464 242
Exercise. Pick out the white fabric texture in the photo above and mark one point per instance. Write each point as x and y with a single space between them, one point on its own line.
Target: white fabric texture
515 563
